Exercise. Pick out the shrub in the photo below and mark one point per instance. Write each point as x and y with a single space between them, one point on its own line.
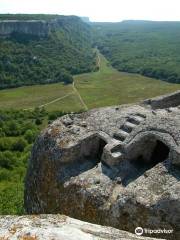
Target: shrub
19 145
7 160
30 136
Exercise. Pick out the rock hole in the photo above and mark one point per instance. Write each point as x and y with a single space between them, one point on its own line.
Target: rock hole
102 144
160 153
143 162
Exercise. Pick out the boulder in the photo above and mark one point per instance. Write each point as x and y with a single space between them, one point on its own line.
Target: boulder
115 166
58 227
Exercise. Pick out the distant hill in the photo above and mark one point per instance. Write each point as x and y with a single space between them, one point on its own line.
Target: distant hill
146 47
28 57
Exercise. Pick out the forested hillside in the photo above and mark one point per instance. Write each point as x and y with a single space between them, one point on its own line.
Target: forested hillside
149 48
18 130
28 60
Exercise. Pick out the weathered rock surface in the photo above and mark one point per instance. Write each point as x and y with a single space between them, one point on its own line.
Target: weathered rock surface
115 166
58 227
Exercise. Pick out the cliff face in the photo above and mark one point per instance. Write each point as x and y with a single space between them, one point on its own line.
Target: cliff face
34 27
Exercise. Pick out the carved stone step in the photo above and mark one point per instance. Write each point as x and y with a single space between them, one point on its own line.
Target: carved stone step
135 119
121 135
128 127
141 115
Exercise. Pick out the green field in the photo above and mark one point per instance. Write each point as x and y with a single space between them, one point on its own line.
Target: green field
35 96
98 89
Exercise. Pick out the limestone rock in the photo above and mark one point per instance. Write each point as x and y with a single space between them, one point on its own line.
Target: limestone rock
58 227
120 169
33 27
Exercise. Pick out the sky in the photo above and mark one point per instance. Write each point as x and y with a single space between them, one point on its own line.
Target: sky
99 10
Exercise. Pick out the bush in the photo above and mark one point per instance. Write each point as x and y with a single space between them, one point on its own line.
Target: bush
7 160
30 136
6 143
5 174
38 121
55 115
19 145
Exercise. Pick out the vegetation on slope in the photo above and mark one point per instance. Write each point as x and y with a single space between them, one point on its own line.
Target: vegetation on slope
18 130
148 48
28 60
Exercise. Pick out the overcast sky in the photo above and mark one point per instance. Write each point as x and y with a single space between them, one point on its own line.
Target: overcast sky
99 10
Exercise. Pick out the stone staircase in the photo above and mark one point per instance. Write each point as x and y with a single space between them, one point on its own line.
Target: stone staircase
114 150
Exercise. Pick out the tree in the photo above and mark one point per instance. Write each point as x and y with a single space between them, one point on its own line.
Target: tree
19 145
30 136
7 160
38 121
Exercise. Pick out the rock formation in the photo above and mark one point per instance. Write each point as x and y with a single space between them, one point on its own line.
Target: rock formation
115 166
58 227
33 27
40 28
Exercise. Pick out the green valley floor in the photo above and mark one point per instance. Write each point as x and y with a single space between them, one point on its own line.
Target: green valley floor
91 90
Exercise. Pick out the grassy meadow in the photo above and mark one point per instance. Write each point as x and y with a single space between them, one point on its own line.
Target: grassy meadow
97 89
39 95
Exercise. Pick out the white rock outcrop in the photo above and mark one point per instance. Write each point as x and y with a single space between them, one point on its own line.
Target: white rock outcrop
58 227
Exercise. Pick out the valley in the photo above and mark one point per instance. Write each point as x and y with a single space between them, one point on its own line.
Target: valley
105 87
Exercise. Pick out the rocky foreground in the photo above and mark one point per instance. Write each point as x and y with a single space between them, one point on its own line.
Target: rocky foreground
58 227
115 166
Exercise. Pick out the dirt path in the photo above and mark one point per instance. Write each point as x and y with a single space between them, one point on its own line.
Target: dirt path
74 91
98 60
55 100
80 98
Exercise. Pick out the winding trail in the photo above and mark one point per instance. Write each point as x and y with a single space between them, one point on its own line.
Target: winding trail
79 96
74 91
55 100
98 60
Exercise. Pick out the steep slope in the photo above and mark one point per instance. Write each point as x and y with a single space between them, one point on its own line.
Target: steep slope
27 59
149 48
